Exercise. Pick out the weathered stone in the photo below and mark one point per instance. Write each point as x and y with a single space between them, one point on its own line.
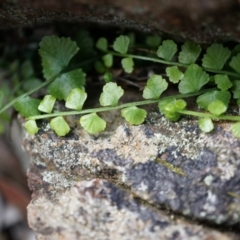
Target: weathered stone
98 210
201 21
169 165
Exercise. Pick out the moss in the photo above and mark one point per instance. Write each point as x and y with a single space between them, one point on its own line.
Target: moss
171 167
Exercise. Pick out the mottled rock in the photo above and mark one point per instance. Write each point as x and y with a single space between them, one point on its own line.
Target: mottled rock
171 166
98 210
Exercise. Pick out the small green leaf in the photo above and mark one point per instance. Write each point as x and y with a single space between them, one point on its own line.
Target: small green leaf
236 89
190 52
107 77
180 104
76 99
27 106
56 53
121 44
235 63
194 78
204 100
216 56
99 67
156 85
153 41
217 107
164 102
92 123
102 44
60 126
167 50
127 64
206 124
46 105
236 50
236 129
171 107
111 94
31 127
174 74
223 82
63 85
108 60
134 115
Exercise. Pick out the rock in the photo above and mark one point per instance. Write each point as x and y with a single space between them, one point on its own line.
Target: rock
164 165
97 209
200 21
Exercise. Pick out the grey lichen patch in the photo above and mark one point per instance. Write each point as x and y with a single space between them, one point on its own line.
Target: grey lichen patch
183 137
98 210
56 180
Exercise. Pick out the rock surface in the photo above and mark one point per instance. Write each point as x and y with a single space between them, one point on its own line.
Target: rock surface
201 21
163 165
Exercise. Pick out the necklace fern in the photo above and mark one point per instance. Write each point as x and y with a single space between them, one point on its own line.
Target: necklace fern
214 79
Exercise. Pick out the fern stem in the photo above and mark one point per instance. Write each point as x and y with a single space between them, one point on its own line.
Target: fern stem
172 63
104 109
208 115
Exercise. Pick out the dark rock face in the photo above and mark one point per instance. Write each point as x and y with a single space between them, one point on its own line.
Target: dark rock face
201 21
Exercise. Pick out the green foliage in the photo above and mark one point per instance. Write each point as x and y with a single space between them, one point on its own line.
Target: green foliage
234 64
174 74
107 77
127 64
108 60
31 127
76 99
156 85
134 115
64 84
171 108
153 41
102 44
92 123
56 53
99 67
206 124
27 106
190 53
110 95
204 100
217 107
121 44
194 78
236 129
167 50
60 126
223 82
46 105
216 56
61 59
236 89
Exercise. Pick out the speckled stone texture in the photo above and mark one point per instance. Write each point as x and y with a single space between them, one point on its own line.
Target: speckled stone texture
98 210
164 165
